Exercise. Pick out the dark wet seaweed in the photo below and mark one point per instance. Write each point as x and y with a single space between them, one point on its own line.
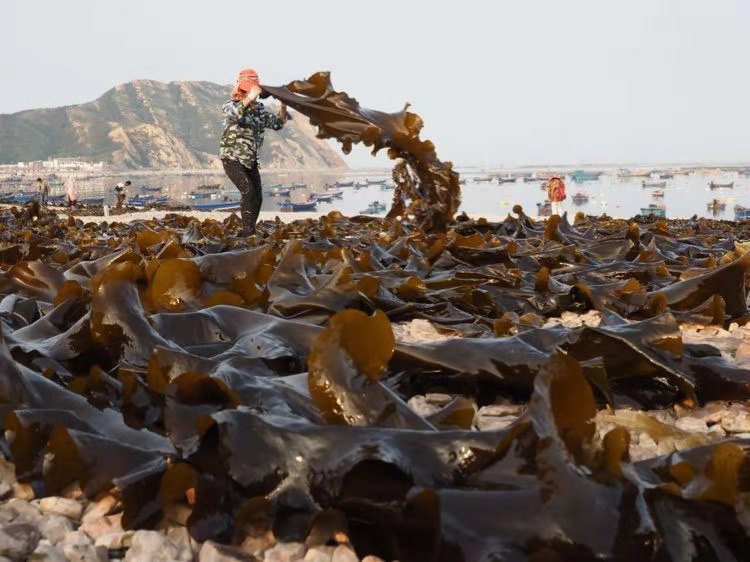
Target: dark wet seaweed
172 359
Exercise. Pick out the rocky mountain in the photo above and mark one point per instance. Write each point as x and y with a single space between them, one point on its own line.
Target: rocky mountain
149 124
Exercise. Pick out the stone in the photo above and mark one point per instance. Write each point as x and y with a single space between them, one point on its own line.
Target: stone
116 541
97 527
78 546
285 552
438 398
320 554
486 423
691 425
18 540
181 538
736 421
100 508
151 546
54 527
213 552
344 553
418 330
256 544
500 410
62 506
421 406
19 511
45 552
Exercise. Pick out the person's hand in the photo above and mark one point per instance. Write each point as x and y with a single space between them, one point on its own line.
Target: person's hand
253 94
282 111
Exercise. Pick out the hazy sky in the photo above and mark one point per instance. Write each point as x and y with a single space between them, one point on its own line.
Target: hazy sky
496 82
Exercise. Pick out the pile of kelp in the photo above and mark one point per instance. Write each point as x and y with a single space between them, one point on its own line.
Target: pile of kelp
242 387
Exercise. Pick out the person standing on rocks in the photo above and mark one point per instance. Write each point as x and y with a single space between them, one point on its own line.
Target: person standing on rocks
71 190
43 190
245 120
121 192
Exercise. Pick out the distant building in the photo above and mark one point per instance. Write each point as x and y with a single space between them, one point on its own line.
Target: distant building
62 164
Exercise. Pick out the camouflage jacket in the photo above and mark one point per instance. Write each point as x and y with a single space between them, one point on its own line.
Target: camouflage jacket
243 131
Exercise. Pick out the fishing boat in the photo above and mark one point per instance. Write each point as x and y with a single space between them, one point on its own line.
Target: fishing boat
19 197
580 198
146 200
216 206
278 192
530 179
654 183
506 179
741 213
360 184
149 189
200 195
482 179
745 172
653 210
716 205
667 176
714 185
376 181
373 208
305 206
209 187
657 194
299 185
331 192
544 209
322 197
344 184
584 175
390 185
627 174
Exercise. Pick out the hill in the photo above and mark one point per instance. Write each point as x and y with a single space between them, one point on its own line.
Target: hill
150 124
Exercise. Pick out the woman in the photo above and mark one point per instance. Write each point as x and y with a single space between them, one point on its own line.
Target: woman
245 119
71 190
556 194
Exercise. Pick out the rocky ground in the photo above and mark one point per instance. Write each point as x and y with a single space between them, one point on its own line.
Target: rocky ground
71 528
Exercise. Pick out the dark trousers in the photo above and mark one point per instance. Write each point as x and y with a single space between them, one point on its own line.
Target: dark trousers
247 181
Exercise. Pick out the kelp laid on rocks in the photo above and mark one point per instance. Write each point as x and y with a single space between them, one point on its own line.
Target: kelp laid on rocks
239 384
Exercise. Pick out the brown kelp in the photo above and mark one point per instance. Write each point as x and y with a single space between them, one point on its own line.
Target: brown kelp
427 190
231 383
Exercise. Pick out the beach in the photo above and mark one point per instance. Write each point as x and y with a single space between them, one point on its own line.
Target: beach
345 368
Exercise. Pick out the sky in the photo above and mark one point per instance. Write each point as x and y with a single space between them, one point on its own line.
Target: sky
497 83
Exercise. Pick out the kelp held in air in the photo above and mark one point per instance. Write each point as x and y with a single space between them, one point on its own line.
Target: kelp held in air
426 188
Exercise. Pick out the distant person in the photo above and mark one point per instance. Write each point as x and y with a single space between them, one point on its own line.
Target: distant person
43 190
121 192
245 120
556 194
71 191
